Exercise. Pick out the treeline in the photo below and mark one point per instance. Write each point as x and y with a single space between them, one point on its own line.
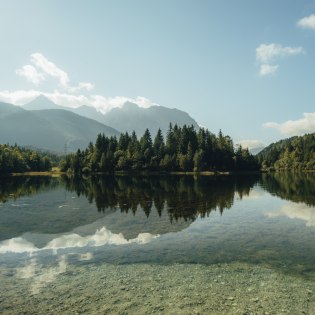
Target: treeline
296 153
184 149
14 159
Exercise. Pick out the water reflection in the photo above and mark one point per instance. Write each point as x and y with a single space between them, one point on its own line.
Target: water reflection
296 211
39 274
103 236
58 205
184 197
155 219
19 186
296 187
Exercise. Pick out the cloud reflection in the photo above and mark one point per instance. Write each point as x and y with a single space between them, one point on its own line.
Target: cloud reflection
40 275
296 211
101 237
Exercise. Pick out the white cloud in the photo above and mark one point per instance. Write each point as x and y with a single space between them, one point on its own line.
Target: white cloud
65 95
31 74
49 68
251 144
81 86
266 69
43 68
295 127
268 54
307 22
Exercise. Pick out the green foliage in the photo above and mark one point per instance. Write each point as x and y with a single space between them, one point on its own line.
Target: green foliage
184 150
14 159
296 153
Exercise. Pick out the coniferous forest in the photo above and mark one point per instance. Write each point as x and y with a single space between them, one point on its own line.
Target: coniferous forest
184 149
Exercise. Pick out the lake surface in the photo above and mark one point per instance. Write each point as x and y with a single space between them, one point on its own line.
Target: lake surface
54 229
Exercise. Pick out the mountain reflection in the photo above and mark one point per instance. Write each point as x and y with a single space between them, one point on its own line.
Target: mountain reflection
184 197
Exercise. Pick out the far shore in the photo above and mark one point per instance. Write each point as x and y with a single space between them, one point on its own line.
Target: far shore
57 173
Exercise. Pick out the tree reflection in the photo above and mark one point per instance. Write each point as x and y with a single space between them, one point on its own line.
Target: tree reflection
19 186
293 186
184 197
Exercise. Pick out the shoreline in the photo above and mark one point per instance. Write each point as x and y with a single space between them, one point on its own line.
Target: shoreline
136 173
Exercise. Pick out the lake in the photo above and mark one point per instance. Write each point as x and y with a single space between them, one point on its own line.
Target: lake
158 244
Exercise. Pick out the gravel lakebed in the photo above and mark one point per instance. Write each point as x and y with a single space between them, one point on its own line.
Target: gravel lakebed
234 288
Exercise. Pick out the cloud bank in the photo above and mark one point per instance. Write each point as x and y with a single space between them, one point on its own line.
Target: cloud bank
268 55
295 127
41 69
307 22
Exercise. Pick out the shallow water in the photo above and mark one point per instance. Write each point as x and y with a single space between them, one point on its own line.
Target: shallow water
54 229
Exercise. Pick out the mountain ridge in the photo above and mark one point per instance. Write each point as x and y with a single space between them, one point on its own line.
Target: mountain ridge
128 118
49 129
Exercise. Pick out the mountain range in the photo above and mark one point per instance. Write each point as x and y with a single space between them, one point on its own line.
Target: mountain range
44 124
130 117
50 129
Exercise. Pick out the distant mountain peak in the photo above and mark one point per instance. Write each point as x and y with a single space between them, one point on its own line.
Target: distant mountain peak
131 117
130 105
41 102
41 98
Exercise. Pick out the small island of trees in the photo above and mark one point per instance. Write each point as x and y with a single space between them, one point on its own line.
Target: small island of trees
184 149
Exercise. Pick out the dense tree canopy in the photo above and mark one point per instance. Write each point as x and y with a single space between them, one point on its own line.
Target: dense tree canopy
296 153
14 159
184 149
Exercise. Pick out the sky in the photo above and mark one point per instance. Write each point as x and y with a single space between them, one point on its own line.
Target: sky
245 67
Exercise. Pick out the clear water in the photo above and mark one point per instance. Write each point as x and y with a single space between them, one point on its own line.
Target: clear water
49 226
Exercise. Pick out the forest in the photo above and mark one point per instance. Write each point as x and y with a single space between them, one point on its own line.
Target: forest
184 149
14 159
296 153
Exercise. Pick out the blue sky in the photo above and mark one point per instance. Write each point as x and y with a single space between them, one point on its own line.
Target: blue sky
245 66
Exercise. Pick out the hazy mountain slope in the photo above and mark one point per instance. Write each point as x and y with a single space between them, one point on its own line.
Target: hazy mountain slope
77 129
88 112
132 117
42 102
8 109
48 129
